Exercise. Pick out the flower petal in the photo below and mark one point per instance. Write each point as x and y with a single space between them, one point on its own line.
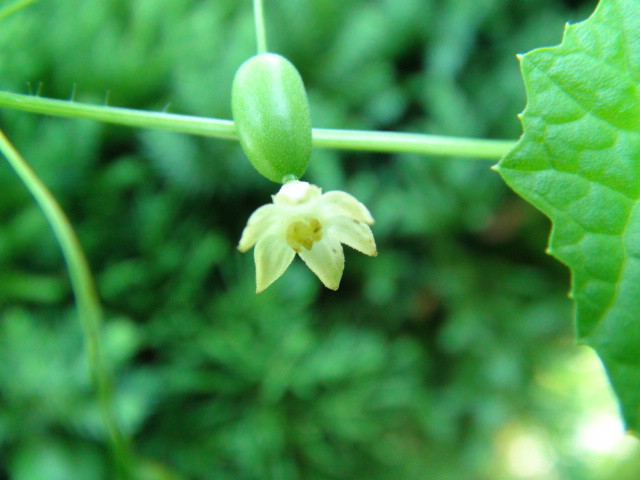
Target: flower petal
341 203
273 256
351 232
326 260
257 226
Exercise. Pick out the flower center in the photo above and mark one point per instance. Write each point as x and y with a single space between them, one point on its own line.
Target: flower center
304 233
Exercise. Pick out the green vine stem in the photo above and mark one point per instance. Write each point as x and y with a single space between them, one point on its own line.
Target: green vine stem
261 35
87 302
370 141
14 7
424 144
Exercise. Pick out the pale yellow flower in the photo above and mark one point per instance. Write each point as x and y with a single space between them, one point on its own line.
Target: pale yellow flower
302 220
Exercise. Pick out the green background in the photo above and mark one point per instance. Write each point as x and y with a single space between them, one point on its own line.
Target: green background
449 356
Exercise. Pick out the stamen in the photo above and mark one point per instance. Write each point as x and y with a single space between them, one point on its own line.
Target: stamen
304 233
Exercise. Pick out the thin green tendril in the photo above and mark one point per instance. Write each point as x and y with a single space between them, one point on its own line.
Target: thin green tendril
87 302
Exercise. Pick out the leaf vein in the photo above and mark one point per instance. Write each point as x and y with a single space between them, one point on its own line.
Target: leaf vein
575 99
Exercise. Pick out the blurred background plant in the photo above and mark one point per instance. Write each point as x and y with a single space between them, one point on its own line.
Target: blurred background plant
450 355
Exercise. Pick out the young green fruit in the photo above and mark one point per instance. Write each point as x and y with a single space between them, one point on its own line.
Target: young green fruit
271 115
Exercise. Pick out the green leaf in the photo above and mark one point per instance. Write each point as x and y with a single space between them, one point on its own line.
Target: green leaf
578 161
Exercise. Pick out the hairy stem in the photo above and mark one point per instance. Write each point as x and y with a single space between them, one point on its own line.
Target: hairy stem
87 302
121 116
369 141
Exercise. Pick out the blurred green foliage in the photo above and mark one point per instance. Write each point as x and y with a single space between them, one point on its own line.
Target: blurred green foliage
418 367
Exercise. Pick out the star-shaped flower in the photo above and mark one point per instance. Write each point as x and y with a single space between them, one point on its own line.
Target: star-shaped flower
302 220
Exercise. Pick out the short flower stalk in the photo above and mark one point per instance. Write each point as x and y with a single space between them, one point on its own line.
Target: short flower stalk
304 221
